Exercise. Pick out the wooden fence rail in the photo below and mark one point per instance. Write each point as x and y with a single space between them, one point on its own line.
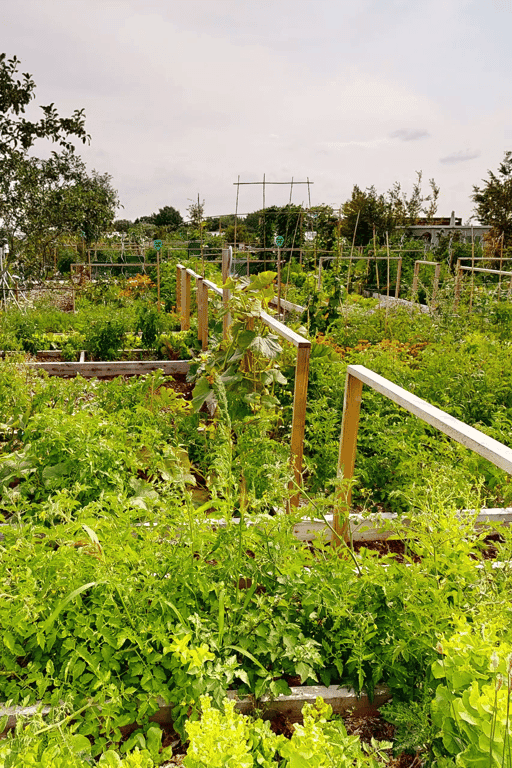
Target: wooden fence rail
357 375
303 346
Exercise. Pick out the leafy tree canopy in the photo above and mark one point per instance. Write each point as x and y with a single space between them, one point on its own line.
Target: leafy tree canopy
196 213
493 201
386 212
168 217
17 134
41 199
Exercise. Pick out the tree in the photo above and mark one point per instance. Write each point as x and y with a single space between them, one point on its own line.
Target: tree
122 225
196 213
41 199
386 212
493 201
365 210
18 134
48 198
168 217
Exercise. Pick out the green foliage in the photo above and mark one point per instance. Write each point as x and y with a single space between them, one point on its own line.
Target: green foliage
16 132
105 339
225 739
149 323
493 201
57 745
471 709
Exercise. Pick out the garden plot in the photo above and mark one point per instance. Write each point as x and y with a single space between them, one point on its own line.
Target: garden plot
112 617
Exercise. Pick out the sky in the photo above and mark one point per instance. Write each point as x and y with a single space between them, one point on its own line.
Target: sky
184 97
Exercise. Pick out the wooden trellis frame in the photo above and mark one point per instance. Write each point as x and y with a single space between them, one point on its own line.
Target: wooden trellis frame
357 375
460 269
302 345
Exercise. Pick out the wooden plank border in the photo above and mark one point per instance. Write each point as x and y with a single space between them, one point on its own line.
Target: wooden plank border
342 700
116 368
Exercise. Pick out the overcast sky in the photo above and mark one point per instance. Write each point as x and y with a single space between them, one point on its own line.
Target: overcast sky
184 96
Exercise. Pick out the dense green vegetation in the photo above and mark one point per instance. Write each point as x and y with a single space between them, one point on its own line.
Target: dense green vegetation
119 588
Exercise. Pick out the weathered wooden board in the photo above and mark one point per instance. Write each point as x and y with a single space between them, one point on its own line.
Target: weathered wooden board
288 306
341 700
117 368
282 330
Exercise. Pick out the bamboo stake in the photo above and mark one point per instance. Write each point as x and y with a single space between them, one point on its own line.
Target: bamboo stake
158 279
227 255
388 275
501 265
200 232
279 282
352 251
376 262
472 271
458 284
236 209
398 278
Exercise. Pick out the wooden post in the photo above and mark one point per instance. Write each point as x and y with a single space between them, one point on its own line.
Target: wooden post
200 314
319 283
227 255
178 288
347 455
185 300
299 416
398 277
203 313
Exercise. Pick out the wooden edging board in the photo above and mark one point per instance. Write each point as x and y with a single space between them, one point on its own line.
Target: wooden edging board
342 700
116 368
368 529
364 528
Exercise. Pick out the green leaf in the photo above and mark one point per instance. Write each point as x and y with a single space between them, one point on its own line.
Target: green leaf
280 687
249 655
201 393
51 619
12 645
154 741
266 346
